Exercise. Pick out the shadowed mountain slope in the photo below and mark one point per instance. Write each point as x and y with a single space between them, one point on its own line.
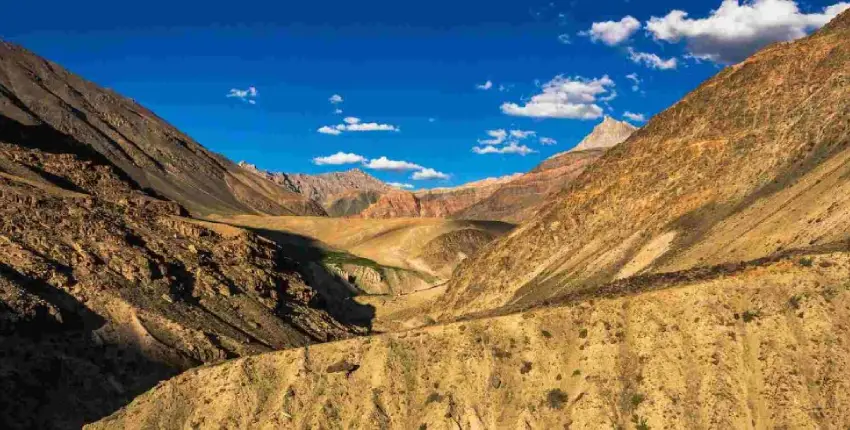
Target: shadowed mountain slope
155 155
753 161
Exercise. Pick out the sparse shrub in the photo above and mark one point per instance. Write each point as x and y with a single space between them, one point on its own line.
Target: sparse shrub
556 398
749 315
546 334
582 333
576 372
636 400
806 262
829 293
434 398
526 367
794 301
639 422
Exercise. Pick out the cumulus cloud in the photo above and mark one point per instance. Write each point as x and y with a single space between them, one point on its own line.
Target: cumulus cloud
385 163
427 173
329 130
355 124
497 137
522 134
401 185
736 30
510 148
338 159
613 33
485 86
548 141
338 111
636 117
565 39
249 95
635 81
335 99
652 60
565 97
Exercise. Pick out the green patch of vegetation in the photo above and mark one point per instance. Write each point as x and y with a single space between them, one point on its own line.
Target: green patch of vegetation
750 315
639 422
636 400
556 398
434 398
806 262
576 372
339 258
582 333
546 334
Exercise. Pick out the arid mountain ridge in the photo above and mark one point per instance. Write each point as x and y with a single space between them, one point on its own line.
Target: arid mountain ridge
694 276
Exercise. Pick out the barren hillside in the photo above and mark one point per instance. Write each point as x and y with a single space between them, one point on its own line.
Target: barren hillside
41 95
752 162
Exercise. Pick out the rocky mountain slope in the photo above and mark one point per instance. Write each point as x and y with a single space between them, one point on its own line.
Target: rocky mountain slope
150 152
752 162
435 203
106 287
763 346
519 199
607 134
340 193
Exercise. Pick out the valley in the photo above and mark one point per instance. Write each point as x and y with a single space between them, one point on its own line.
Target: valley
691 273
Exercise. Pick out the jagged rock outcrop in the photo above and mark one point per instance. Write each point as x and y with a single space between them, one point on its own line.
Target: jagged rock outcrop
40 94
752 162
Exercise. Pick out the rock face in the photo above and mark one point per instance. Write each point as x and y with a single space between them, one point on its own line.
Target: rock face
340 193
436 203
607 134
519 199
106 287
151 153
752 162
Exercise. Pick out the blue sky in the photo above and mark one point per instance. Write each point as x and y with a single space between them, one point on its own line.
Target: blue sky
416 67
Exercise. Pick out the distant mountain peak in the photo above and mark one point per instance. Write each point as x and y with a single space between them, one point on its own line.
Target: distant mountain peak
606 134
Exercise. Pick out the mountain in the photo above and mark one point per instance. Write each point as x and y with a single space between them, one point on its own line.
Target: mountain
520 198
340 193
607 134
695 276
106 286
751 163
151 152
435 203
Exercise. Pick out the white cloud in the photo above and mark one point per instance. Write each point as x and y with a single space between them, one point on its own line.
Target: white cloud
351 120
497 137
573 98
522 134
335 99
636 117
427 173
510 148
384 163
329 130
369 126
485 86
652 60
613 33
736 30
432 119
548 141
635 81
565 39
339 158
338 111
247 96
401 185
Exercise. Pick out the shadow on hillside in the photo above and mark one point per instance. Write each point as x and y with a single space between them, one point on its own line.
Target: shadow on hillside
57 373
334 296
